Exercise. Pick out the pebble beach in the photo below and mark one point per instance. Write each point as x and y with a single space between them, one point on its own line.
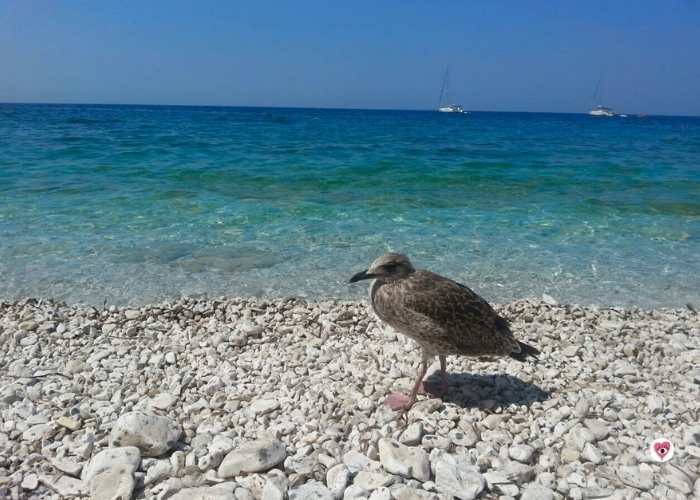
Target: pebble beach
252 399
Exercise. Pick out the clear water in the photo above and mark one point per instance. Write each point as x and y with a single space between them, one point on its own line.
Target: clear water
136 204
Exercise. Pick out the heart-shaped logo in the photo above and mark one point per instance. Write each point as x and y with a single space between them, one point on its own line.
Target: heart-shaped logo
661 450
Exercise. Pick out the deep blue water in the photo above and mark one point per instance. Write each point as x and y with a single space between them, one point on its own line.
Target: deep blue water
135 204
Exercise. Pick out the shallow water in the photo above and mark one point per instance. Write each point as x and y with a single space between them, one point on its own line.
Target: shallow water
134 204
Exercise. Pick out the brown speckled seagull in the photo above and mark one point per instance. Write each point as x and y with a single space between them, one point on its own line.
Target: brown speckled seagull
441 315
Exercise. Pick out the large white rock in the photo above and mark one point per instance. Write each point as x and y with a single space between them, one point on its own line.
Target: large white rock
337 479
223 492
455 475
255 456
128 457
535 491
67 466
276 486
404 460
521 452
114 483
412 434
160 470
355 492
408 493
641 477
152 434
676 478
65 486
356 462
263 406
370 481
313 490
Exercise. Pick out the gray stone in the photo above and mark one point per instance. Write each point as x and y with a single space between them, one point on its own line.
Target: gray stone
356 462
380 494
337 479
492 421
412 434
425 408
67 466
432 441
65 486
403 460
132 314
161 469
30 482
569 455
263 406
402 492
655 404
592 454
692 435
304 465
521 452
599 428
163 401
369 481
38 432
114 483
456 476
128 457
69 423
355 492
28 326
218 492
276 486
465 435
152 434
312 490
676 478
641 477
519 473
255 456
578 436
243 494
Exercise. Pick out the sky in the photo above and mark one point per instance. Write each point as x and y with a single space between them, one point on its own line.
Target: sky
536 55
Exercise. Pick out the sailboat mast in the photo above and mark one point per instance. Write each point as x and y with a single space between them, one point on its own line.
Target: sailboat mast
443 89
596 94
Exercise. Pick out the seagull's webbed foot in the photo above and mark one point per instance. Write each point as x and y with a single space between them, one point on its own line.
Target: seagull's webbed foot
404 402
399 401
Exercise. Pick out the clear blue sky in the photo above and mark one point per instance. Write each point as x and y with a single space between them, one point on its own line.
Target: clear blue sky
506 56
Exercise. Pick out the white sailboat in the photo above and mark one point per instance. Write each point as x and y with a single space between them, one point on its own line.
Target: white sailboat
444 90
599 109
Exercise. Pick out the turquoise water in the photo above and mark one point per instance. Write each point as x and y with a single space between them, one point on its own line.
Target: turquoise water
135 204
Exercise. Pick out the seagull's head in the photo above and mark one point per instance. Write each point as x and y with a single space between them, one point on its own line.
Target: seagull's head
389 267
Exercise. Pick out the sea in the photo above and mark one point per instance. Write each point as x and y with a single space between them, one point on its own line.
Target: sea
130 205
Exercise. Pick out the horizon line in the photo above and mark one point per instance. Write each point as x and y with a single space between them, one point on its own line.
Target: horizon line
321 108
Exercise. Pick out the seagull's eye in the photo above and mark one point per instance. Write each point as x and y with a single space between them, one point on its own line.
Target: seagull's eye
391 267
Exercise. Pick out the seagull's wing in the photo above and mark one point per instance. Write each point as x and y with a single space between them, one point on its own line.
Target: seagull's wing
458 315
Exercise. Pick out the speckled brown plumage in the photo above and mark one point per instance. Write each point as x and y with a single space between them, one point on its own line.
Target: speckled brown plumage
444 317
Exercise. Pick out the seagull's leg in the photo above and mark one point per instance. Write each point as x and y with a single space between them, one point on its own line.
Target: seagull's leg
400 401
443 374
442 386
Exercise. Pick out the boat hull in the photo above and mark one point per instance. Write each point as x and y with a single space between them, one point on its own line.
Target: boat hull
451 109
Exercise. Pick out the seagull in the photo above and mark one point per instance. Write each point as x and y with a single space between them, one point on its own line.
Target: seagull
444 317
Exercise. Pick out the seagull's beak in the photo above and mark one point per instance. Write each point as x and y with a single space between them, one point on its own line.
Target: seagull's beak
362 275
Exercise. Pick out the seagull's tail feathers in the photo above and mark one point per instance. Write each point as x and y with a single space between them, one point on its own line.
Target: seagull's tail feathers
526 351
